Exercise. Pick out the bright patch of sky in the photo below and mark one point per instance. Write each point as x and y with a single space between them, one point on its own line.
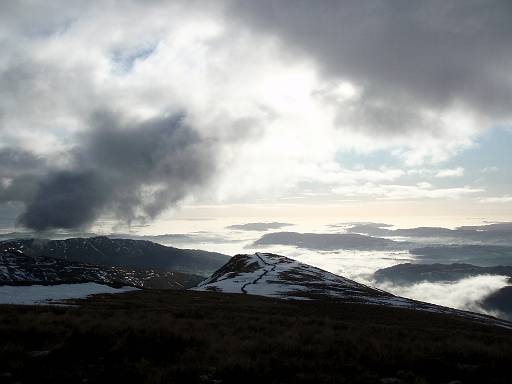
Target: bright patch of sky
485 165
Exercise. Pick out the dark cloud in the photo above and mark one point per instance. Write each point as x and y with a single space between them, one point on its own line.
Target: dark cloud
134 171
67 199
258 226
51 235
15 161
407 55
19 170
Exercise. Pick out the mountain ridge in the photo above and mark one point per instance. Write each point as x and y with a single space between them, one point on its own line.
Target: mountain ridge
16 268
125 253
409 273
271 275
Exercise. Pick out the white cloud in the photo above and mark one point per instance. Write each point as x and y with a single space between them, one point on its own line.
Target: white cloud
454 172
463 294
491 169
497 199
421 190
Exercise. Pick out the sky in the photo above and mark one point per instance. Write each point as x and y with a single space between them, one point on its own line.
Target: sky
122 115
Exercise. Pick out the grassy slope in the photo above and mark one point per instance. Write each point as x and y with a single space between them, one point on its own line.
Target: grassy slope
201 337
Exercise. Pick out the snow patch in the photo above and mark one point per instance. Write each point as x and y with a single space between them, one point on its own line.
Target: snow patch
48 294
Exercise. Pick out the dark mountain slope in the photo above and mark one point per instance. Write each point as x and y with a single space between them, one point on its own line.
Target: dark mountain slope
17 268
500 301
124 253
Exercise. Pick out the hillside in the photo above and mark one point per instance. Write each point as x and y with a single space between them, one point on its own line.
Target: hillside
270 275
123 253
169 336
16 268
500 301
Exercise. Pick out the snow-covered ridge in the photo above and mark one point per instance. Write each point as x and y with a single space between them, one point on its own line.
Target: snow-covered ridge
271 275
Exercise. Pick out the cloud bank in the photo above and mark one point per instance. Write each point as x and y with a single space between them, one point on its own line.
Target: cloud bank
134 171
475 237
409 63
258 226
125 109
466 294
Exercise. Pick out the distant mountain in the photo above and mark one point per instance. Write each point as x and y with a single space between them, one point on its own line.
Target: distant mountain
374 230
497 234
270 275
407 274
16 268
124 253
500 301
481 255
329 241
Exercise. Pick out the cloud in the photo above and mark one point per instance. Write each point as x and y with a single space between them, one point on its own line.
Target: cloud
411 55
362 224
492 169
324 82
135 170
84 139
455 172
464 294
497 199
421 190
258 226
67 199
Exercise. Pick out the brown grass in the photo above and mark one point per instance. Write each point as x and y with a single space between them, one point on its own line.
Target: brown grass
207 337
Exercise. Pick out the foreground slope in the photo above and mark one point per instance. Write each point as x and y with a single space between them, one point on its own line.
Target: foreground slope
271 275
124 253
153 336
